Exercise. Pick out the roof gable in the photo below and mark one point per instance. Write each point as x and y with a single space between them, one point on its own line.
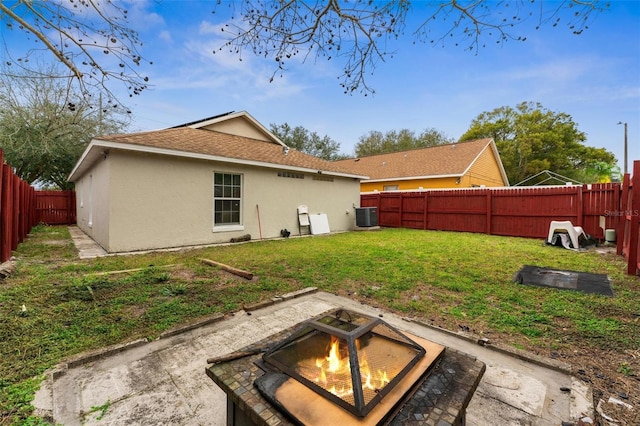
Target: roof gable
239 123
437 161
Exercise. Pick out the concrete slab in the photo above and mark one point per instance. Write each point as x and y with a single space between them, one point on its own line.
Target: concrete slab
86 246
523 392
164 381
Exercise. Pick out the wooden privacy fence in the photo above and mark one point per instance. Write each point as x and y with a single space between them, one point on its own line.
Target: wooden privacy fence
521 212
22 207
17 212
629 225
517 212
56 207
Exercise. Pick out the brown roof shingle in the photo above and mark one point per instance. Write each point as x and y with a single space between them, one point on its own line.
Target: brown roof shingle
218 144
441 160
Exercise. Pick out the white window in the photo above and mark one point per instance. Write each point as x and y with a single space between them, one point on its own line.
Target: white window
227 200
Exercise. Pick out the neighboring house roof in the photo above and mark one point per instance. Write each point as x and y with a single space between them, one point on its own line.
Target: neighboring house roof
210 145
450 160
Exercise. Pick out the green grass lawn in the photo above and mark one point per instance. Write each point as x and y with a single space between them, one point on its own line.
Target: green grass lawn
452 280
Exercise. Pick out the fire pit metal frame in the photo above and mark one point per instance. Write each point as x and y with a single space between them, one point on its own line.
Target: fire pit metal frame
441 399
359 407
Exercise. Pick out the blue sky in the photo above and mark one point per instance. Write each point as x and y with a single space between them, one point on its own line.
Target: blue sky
594 77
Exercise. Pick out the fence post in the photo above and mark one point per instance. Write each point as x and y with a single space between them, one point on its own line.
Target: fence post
68 194
425 216
15 220
5 218
634 225
579 205
622 215
3 207
489 210
401 210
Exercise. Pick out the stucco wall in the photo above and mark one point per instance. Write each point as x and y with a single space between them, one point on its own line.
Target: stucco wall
92 202
160 202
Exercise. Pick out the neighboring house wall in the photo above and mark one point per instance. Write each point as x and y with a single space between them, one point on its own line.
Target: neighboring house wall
164 202
484 171
410 184
92 204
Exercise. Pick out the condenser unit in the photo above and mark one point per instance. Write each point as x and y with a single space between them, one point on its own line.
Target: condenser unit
366 216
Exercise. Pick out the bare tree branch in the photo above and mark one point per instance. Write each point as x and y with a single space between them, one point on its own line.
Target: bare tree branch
357 32
41 36
76 32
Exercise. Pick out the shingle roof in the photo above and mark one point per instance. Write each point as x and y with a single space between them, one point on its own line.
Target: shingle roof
441 160
201 142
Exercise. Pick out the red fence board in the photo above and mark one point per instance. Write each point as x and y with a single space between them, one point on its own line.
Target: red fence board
522 212
55 207
21 208
629 227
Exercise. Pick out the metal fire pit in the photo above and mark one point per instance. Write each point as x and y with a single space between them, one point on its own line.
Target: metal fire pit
351 359
444 384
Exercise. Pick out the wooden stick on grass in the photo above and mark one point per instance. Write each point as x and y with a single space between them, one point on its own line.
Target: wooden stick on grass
231 269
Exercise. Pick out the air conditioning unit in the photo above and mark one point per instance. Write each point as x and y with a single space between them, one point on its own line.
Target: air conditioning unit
366 216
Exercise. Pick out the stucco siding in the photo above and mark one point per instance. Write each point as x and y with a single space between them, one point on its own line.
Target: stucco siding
161 201
277 199
92 202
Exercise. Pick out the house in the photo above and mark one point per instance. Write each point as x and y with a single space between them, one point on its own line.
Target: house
468 164
205 182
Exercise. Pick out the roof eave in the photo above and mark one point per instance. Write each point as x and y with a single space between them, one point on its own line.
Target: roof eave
97 148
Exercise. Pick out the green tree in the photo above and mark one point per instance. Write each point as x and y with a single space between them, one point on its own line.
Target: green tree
45 126
308 142
360 33
531 139
376 142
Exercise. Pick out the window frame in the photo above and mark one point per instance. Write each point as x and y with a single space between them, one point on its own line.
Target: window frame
227 226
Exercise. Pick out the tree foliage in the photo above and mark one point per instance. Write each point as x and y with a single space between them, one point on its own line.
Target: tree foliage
376 142
531 139
92 39
360 33
308 142
45 126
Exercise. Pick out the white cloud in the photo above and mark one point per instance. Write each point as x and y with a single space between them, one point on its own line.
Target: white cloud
166 36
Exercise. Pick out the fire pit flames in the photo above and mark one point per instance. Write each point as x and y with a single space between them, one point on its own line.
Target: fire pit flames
334 372
349 358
